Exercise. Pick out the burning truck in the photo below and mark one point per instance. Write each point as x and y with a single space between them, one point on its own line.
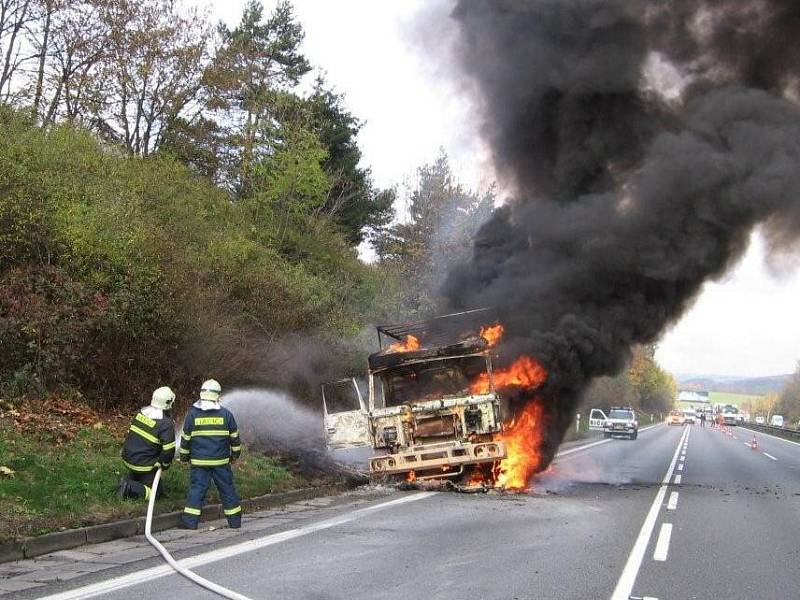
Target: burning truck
436 408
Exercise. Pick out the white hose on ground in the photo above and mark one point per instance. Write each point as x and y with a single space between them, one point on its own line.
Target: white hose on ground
209 585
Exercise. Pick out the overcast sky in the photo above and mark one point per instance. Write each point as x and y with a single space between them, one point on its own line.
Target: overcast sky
747 324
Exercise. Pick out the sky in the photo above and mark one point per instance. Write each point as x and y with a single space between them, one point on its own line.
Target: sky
746 324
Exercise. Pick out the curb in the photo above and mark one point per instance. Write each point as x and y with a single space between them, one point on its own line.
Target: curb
72 538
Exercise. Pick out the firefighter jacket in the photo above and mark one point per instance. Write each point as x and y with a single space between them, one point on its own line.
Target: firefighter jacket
150 442
210 435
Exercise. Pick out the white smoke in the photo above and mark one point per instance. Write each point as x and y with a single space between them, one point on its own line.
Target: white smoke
269 418
273 420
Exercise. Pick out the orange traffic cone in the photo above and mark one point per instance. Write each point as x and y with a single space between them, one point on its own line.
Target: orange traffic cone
754 443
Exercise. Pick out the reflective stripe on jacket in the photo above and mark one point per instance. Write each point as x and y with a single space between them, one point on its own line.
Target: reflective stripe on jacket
210 435
150 442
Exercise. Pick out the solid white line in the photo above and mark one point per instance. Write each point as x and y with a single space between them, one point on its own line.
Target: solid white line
774 437
672 504
631 570
147 575
593 444
678 479
770 456
662 545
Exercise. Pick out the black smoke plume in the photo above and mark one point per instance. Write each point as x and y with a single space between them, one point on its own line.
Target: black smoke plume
626 197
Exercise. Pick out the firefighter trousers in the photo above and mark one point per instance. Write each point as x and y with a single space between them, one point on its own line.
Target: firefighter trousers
137 484
199 480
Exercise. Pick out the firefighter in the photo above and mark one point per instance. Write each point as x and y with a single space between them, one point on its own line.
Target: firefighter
210 443
150 444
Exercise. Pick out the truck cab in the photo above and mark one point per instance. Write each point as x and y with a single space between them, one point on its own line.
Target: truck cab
431 410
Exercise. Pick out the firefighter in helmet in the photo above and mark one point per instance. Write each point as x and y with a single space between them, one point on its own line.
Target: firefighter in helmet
150 444
210 443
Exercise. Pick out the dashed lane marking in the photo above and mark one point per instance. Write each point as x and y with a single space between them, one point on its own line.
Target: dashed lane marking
770 456
662 545
678 479
680 467
672 504
628 578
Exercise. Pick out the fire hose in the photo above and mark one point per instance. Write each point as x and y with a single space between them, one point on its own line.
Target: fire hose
209 585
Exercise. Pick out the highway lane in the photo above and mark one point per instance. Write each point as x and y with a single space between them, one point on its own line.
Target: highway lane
735 527
571 538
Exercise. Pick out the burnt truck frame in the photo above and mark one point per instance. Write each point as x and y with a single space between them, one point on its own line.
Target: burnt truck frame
421 415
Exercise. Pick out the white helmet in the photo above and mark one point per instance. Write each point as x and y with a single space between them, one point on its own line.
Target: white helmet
211 390
163 398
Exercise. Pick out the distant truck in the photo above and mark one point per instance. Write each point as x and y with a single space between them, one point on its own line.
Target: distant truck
776 421
728 415
431 409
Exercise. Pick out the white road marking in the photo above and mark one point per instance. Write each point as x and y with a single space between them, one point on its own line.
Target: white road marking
680 467
776 437
148 575
662 545
628 578
770 456
672 504
678 479
593 444
747 444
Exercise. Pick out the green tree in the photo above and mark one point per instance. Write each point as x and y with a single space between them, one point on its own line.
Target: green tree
435 231
253 63
788 403
654 387
353 203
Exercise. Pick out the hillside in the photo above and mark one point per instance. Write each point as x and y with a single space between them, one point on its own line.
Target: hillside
734 385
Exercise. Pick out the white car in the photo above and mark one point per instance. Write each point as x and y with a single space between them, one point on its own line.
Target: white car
760 420
776 421
689 416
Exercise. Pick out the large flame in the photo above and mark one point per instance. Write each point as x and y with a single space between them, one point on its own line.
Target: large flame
492 334
524 435
407 345
523 439
525 372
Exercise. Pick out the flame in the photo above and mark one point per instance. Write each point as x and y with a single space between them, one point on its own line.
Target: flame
522 438
410 343
525 372
411 477
492 334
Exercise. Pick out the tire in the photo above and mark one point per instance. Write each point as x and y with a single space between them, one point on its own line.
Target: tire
634 435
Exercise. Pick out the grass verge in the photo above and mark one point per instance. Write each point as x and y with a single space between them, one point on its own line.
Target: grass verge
59 484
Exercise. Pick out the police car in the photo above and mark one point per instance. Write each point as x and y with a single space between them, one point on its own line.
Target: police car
620 421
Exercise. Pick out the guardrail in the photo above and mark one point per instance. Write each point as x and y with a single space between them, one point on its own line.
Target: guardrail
783 432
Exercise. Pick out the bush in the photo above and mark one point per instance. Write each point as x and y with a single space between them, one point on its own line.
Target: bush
118 274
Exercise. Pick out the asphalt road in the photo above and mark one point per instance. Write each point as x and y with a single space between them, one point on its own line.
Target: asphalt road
608 521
